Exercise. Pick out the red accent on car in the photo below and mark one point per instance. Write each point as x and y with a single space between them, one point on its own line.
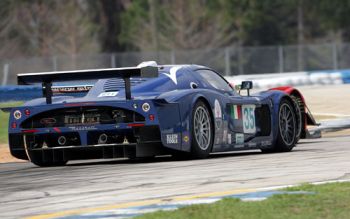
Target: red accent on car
290 90
57 130
151 117
30 130
136 125
14 125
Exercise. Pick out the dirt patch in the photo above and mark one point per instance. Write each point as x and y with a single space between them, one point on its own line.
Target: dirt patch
5 155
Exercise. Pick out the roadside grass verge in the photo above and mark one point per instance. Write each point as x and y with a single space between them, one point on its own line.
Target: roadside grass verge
328 201
4 120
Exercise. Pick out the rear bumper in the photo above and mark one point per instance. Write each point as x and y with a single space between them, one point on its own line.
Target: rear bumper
97 152
138 142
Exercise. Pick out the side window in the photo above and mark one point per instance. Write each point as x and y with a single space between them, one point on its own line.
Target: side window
214 80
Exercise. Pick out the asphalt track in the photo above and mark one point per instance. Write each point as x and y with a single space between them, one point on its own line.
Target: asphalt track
26 190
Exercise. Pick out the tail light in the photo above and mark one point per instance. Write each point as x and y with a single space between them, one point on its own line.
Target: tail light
27 112
151 117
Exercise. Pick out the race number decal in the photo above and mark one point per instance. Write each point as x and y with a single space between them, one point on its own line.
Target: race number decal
248 112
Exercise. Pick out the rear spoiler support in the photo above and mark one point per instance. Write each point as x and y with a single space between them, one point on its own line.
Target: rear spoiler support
46 78
127 88
47 91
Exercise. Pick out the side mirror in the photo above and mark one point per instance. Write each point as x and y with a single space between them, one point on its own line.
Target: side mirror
246 85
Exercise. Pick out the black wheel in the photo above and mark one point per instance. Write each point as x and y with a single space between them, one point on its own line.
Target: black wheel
202 131
287 128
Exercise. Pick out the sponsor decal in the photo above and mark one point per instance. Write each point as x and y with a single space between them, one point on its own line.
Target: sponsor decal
236 112
239 138
217 140
108 94
265 143
217 109
239 146
172 138
71 89
186 138
229 140
218 123
248 119
252 144
48 121
82 128
172 73
225 136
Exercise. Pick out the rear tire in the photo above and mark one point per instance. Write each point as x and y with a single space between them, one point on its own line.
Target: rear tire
202 131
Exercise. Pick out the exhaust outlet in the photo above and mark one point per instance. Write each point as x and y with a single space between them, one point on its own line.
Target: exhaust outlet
102 139
62 140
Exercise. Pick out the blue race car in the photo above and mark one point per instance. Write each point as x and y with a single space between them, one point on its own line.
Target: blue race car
150 110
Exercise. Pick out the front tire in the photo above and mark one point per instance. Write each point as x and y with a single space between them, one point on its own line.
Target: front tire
287 127
202 131
300 122
288 130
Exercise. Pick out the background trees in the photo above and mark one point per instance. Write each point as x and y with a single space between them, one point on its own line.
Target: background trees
51 27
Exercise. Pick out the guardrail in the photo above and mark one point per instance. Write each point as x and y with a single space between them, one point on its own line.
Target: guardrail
294 78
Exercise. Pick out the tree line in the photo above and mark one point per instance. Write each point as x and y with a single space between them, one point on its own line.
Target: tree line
55 27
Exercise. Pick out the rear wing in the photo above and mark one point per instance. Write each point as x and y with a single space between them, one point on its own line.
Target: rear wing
46 78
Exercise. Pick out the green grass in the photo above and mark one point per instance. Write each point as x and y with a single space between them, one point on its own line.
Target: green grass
4 120
329 201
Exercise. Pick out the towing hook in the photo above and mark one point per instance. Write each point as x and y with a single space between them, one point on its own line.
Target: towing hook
62 140
102 139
